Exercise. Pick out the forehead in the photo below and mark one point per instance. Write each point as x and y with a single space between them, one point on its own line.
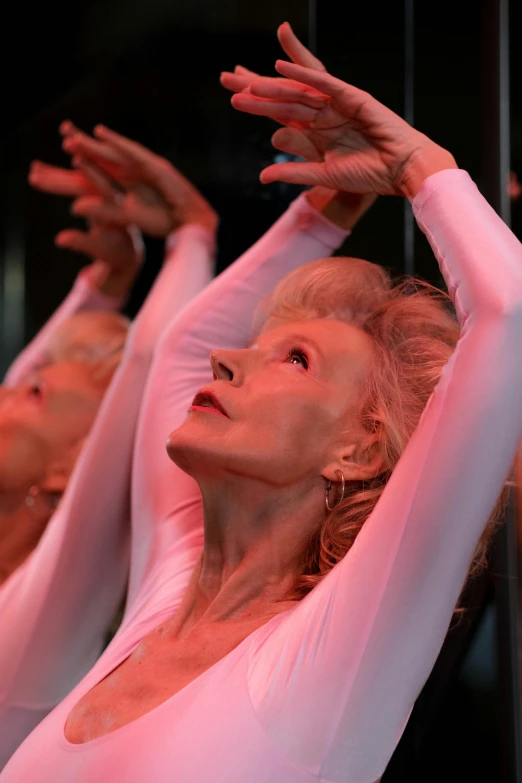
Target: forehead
337 341
67 375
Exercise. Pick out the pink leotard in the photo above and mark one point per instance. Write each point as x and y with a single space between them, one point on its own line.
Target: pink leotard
322 691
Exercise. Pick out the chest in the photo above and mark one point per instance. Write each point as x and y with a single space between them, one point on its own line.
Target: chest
156 670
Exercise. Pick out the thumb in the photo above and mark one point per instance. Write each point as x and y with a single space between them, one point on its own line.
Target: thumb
77 241
99 272
296 173
296 142
97 209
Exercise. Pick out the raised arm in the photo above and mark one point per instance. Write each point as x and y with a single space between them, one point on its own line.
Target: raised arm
55 611
116 254
384 610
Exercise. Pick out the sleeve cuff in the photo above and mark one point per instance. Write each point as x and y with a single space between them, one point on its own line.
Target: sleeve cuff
316 223
92 298
188 232
449 179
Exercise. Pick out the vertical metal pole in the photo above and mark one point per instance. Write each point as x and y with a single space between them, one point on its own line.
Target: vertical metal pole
496 165
409 53
312 25
12 273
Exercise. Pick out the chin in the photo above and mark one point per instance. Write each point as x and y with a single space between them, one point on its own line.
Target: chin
196 446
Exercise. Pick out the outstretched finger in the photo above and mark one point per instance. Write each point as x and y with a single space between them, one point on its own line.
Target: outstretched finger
68 128
321 80
281 112
289 91
95 208
234 81
242 71
297 51
77 241
97 177
295 173
85 146
58 181
296 142
124 145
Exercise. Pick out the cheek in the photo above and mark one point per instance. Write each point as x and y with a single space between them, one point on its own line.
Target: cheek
21 453
289 418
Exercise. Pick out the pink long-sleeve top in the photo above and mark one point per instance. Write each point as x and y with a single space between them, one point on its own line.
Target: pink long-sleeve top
82 297
56 608
322 691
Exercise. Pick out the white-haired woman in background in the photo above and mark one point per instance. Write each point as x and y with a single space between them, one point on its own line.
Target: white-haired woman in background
52 391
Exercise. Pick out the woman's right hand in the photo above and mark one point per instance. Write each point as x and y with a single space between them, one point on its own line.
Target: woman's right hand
354 143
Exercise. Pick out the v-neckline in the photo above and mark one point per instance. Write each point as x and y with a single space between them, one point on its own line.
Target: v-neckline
77 746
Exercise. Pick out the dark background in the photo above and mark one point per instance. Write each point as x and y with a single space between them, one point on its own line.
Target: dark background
150 69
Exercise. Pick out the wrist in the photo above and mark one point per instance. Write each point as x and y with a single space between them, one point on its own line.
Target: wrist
421 165
342 208
206 218
112 284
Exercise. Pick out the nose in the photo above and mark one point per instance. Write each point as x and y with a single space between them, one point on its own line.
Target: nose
229 365
222 365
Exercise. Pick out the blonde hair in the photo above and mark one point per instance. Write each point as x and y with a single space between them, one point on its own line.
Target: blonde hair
414 332
95 338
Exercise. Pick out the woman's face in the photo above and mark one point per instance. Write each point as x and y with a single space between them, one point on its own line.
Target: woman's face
288 405
42 418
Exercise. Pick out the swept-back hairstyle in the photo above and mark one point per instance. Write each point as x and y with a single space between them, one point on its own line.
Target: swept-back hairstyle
414 332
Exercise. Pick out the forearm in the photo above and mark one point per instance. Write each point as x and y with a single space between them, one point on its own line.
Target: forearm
178 281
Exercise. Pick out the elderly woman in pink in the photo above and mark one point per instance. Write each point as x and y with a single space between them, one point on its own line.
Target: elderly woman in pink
52 391
330 483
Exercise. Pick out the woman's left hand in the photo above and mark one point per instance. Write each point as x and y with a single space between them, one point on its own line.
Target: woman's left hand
353 142
344 209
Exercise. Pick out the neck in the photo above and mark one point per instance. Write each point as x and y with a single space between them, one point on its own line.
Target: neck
254 534
20 532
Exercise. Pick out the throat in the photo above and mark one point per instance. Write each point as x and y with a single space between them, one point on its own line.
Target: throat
19 535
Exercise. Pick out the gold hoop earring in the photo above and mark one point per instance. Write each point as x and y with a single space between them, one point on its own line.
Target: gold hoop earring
327 494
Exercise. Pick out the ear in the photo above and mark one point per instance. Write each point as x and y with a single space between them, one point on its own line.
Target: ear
358 461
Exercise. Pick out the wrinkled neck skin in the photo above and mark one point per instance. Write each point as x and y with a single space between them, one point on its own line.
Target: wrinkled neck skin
254 534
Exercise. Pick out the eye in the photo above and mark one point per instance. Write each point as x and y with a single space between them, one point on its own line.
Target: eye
297 356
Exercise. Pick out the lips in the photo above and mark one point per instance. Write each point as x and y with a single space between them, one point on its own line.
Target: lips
208 401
